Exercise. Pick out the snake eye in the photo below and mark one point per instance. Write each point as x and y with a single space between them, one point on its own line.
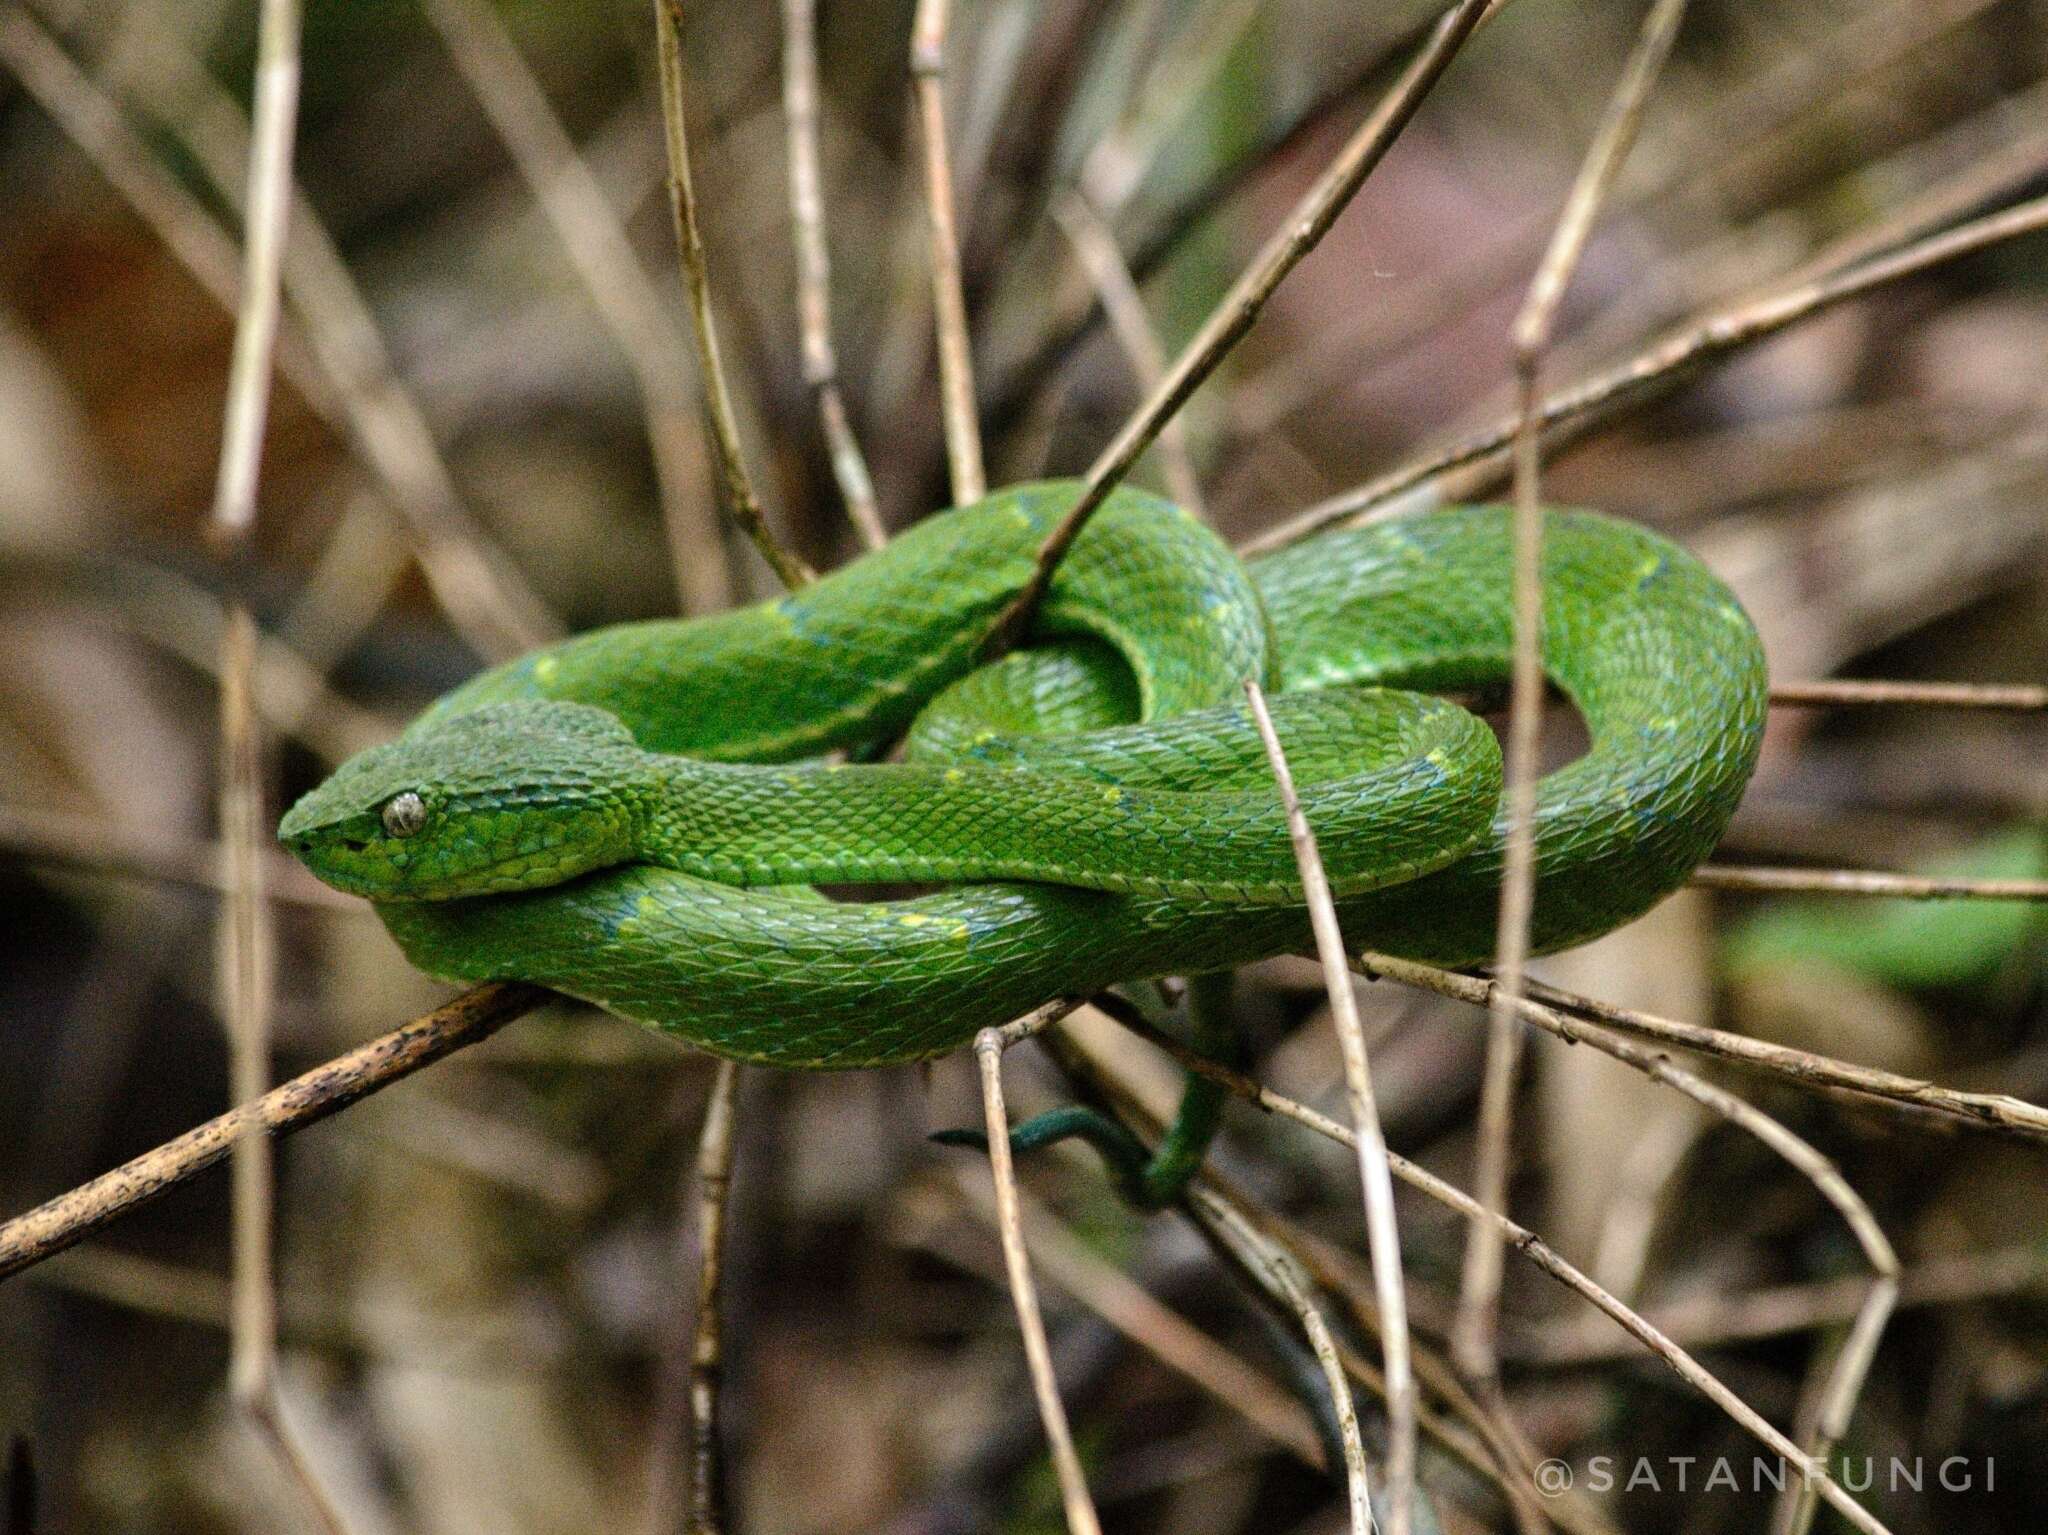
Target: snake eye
404 814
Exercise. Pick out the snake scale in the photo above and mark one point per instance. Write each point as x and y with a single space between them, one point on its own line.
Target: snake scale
638 816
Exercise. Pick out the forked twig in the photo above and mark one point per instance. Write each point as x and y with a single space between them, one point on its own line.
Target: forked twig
741 501
989 1046
1299 233
1472 1340
1374 1177
814 267
949 302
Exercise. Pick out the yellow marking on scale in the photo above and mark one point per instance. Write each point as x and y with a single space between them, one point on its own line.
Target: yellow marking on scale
545 668
953 775
1112 795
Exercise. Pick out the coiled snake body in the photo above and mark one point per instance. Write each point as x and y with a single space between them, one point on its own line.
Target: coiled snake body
636 816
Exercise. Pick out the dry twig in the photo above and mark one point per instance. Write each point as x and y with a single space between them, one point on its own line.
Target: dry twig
1832 691
814 267
949 303
707 1351
247 943
72 1217
989 1046
741 501
1909 887
1374 1177
1479 1289
1257 1251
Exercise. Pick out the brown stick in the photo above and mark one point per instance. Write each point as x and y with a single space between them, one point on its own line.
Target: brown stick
1375 1179
707 1352
1911 887
741 501
1936 695
949 303
1472 1342
72 1217
989 1046
814 267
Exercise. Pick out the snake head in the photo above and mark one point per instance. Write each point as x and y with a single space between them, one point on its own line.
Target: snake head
513 796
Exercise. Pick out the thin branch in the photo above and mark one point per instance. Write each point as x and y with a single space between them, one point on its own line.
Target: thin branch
1374 1177
1299 233
274 118
740 498
814 267
1666 360
1845 1381
624 296
1842 1383
1832 691
1911 887
1521 1238
1798 1068
949 303
1094 246
1257 1250
1479 1288
1539 1252
707 1350
247 939
248 960
989 1045
72 1217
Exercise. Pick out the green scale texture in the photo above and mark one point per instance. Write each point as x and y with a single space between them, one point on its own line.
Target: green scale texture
630 817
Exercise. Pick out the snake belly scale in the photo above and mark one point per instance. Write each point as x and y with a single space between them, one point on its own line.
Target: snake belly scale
637 816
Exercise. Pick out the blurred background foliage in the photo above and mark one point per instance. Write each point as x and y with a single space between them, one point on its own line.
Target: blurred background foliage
485 1272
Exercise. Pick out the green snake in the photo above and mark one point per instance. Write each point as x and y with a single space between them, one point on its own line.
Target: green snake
639 816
